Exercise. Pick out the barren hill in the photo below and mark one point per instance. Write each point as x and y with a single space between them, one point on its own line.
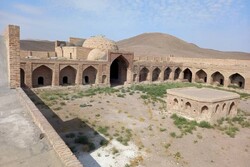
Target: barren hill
158 44
36 45
150 44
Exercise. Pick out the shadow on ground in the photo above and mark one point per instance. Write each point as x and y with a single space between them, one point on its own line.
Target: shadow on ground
79 136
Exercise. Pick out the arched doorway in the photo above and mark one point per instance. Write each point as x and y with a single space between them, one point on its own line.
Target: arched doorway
201 76
232 109
177 73
118 71
237 80
22 77
143 74
42 76
167 73
187 75
218 78
67 76
89 75
156 74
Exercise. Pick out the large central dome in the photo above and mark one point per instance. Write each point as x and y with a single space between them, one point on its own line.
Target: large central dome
100 42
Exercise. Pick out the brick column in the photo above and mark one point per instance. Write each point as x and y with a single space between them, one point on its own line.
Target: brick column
12 37
161 76
56 73
28 74
79 75
171 75
150 75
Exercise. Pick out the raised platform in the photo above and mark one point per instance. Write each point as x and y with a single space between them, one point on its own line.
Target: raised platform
202 104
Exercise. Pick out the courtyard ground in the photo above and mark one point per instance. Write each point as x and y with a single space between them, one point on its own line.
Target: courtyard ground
130 126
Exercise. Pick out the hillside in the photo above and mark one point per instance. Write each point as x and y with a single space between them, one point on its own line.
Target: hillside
158 44
151 44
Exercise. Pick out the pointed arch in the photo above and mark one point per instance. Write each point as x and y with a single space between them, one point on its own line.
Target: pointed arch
42 76
177 73
118 70
237 80
156 74
217 78
201 76
187 75
143 74
67 76
232 108
89 75
167 73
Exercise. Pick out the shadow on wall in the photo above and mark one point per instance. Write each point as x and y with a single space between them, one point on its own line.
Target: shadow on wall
75 132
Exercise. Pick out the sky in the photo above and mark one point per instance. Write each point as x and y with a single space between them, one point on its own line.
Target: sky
216 24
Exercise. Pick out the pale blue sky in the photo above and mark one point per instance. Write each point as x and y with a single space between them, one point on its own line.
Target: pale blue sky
215 24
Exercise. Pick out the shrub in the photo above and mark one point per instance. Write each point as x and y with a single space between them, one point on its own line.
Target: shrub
204 124
82 140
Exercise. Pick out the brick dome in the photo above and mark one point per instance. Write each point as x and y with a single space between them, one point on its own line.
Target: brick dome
100 42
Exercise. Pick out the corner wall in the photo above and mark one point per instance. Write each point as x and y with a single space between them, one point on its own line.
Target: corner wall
12 40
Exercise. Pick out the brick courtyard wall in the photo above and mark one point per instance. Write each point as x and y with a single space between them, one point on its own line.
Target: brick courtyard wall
66 156
12 38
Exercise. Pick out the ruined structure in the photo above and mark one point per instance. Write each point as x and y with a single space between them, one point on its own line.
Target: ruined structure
99 61
202 104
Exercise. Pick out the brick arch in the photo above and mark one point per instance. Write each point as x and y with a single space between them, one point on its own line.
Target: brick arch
201 76
67 75
42 76
35 66
143 76
187 75
167 73
217 78
156 74
89 75
177 73
238 80
118 70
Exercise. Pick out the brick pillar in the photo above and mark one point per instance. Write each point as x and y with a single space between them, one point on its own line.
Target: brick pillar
171 75
129 76
161 76
226 80
79 75
12 37
56 73
28 74
181 76
209 77
150 75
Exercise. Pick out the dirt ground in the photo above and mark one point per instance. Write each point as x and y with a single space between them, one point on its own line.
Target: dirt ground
127 130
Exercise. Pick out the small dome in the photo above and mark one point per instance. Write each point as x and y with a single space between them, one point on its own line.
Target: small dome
99 42
96 54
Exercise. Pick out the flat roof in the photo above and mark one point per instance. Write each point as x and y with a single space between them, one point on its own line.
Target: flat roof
203 94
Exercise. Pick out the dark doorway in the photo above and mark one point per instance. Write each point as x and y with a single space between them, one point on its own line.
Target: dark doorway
40 81
118 71
22 78
86 79
188 75
65 80
167 73
177 73
143 74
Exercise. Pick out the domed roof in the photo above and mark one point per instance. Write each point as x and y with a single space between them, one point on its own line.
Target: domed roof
100 42
97 54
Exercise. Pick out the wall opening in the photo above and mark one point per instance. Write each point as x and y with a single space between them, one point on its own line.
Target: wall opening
177 73
167 73
89 75
216 108
237 80
143 74
42 72
232 108
118 71
65 80
175 104
67 76
217 78
188 106
104 79
156 74
204 109
201 76
22 78
187 75
40 81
